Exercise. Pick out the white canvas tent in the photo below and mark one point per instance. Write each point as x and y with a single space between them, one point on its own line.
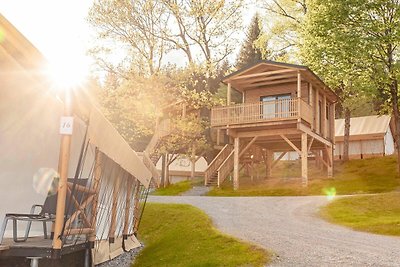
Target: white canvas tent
370 136
30 114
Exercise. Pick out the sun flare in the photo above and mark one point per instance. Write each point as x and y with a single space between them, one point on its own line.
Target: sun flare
68 73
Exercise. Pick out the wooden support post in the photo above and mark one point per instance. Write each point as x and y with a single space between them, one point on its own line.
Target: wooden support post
236 164
324 122
136 199
129 183
304 159
63 182
299 96
317 114
218 137
332 123
228 94
113 223
268 162
96 188
329 153
311 101
252 170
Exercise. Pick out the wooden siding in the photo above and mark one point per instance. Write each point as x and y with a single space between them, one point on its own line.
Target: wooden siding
254 95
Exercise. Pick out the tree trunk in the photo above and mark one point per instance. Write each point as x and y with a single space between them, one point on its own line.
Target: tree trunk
396 115
163 160
192 172
346 138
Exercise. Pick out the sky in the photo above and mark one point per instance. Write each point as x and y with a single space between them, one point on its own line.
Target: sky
58 28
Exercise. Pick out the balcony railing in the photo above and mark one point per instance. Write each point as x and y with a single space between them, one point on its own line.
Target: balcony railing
283 109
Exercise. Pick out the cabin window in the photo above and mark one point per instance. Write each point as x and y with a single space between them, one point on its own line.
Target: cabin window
276 106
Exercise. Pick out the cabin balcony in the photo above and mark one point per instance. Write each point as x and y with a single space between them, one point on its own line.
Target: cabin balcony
264 111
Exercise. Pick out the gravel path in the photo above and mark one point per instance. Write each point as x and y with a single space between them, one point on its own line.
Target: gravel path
290 227
197 191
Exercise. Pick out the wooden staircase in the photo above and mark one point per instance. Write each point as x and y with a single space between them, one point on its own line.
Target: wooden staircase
220 167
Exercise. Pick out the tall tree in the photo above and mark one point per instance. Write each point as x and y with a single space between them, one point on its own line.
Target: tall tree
249 53
334 57
131 26
374 29
284 18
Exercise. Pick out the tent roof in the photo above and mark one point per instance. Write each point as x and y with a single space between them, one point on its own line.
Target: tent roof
363 126
16 48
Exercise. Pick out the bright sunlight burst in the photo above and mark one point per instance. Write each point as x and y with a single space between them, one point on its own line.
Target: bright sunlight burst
68 73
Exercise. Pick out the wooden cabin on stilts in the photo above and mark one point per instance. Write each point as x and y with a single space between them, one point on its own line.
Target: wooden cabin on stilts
285 107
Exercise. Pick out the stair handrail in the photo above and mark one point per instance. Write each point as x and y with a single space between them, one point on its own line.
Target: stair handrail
225 168
216 162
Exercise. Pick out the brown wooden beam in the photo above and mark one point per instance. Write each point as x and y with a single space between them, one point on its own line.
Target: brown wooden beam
271 83
266 133
291 144
266 73
278 159
247 146
269 78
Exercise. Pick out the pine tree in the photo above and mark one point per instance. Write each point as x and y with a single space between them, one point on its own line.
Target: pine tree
249 53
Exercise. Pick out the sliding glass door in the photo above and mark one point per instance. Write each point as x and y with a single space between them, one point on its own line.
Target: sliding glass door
277 106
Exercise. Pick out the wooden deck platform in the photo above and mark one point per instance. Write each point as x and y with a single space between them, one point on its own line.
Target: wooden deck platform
38 247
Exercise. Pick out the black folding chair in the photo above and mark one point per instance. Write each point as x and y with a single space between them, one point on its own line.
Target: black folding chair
46 214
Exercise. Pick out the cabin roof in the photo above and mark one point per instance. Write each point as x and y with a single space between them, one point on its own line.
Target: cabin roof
364 126
266 72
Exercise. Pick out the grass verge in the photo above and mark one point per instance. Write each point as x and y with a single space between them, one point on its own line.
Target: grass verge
174 189
375 175
182 235
378 214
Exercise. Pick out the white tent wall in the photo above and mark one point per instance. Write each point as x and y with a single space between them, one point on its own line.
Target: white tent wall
364 148
29 139
389 142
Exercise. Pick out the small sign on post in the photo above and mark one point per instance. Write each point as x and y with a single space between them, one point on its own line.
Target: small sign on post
66 125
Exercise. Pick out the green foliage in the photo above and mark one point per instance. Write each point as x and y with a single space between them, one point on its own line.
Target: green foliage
335 52
373 175
249 53
182 235
132 107
135 29
186 137
378 214
284 19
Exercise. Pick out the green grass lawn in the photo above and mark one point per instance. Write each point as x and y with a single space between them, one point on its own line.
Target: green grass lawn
182 235
174 189
373 175
376 213
178 188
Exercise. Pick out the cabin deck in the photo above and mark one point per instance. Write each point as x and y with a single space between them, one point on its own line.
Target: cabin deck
38 247
270 111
